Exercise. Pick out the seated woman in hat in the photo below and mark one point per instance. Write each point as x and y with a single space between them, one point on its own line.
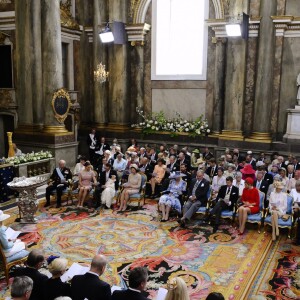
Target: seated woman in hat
171 199
194 158
250 199
277 207
13 249
248 172
132 186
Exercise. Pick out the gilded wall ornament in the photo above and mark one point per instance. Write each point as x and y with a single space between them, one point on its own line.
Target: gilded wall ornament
5 99
66 18
61 103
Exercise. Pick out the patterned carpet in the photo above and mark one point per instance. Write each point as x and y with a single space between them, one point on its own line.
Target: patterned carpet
238 266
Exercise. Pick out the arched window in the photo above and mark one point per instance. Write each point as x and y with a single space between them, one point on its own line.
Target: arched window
179 39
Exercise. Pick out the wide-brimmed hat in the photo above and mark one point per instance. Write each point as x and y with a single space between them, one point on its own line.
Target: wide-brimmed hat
3 216
176 174
134 166
248 170
196 151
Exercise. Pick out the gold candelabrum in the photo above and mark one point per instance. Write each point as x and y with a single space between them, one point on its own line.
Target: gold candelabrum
11 151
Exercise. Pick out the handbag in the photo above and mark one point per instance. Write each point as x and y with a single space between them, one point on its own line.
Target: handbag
285 217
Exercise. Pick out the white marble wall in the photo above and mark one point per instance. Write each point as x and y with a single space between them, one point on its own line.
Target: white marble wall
189 102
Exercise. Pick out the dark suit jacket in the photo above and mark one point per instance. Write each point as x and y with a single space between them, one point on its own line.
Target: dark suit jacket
148 170
208 170
56 179
263 186
201 191
103 178
127 295
268 178
234 194
37 278
54 288
176 167
105 147
89 286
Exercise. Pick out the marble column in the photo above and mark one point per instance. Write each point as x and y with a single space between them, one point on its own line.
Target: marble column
235 86
99 55
52 62
264 78
24 65
119 101
36 54
219 86
137 94
235 79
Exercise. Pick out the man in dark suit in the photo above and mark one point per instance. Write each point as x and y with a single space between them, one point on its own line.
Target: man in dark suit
92 142
101 147
226 199
89 286
260 166
212 170
146 168
261 184
34 262
137 283
21 288
183 159
197 196
188 177
173 166
58 181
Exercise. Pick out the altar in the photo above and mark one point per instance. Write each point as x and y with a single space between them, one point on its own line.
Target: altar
27 169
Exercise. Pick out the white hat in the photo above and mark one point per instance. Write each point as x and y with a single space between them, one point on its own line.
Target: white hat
3 216
249 152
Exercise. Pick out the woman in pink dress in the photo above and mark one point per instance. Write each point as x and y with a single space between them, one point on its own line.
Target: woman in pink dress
250 199
158 175
86 179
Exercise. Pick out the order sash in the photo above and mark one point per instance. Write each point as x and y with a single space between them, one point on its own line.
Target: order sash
61 176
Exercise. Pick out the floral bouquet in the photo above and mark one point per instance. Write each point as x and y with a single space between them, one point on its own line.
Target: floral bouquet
33 156
159 122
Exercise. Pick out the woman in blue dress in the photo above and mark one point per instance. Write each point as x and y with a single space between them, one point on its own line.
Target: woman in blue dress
171 197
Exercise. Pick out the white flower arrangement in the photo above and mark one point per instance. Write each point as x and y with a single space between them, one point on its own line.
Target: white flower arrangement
158 122
33 156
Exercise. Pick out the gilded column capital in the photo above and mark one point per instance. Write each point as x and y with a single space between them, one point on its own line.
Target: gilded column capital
136 33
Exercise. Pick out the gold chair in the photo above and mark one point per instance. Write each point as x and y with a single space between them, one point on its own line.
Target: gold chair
7 265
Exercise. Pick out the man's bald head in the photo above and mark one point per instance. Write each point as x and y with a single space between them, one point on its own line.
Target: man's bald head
98 264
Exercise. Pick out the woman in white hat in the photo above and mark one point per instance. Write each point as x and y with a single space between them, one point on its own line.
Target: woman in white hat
132 186
171 199
277 207
13 249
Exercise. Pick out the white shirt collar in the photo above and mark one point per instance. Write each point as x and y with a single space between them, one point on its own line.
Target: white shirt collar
93 273
138 291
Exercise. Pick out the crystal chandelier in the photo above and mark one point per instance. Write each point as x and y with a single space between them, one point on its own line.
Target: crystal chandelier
100 74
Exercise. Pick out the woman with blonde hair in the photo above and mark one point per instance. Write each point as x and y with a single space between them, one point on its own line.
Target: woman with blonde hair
54 287
277 207
177 289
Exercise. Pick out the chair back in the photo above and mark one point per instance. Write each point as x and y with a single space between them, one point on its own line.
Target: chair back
290 201
209 192
3 257
143 181
261 200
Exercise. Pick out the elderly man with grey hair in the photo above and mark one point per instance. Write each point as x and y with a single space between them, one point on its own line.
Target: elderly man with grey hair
89 286
21 288
59 180
197 197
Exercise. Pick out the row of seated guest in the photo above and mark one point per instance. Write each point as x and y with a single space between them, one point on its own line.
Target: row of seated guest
30 284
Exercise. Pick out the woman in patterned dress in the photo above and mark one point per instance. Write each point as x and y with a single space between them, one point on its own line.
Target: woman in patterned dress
171 200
